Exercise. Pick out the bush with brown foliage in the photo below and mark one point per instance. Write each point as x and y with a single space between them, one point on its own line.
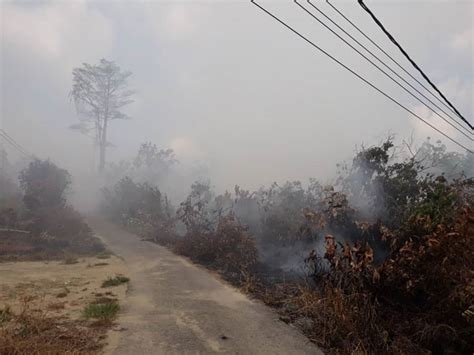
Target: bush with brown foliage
420 299
228 248
215 240
401 287
431 277
212 237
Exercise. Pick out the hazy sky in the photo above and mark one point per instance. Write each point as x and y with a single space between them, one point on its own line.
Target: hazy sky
223 84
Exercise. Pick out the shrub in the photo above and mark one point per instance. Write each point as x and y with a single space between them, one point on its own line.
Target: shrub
115 281
9 218
46 226
102 311
390 270
228 247
419 298
63 230
281 212
44 185
140 207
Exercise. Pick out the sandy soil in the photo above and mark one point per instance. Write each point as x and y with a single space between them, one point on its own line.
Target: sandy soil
56 287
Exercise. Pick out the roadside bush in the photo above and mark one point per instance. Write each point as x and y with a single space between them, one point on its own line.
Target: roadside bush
213 236
390 249
9 218
44 185
418 299
44 226
281 211
141 208
227 248
132 200
10 195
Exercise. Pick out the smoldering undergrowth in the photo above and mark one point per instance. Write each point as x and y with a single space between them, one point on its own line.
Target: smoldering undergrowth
378 262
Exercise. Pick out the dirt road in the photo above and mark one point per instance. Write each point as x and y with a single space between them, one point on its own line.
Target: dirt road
175 307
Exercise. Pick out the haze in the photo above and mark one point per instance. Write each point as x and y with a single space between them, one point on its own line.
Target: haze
239 98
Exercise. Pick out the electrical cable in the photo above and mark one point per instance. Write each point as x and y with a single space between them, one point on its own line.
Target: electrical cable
358 76
13 143
387 54
384 64
393 40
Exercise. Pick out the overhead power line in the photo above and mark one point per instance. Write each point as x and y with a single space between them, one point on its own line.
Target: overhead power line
385 65
14 144
394 41
387 54
380 69
358 75
11 140
11 143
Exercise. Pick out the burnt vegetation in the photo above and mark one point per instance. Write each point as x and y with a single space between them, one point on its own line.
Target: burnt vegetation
378 262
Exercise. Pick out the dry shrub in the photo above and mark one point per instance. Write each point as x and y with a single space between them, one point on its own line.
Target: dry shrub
418 300
227 248
338 322
115 281
161 231
213 236
431 277
33 333
342 321
397 273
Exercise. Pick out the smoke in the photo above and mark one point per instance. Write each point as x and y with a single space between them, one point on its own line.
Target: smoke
215 82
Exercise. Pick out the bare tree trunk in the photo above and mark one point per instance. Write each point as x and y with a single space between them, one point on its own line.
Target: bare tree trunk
102 157
103 146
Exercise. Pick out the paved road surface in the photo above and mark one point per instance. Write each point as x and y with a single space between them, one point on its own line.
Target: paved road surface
175 307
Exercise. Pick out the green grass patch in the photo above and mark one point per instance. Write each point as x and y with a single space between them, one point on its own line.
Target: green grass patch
102 311
115 281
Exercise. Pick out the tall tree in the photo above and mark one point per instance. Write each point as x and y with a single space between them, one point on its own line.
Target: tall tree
99 93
